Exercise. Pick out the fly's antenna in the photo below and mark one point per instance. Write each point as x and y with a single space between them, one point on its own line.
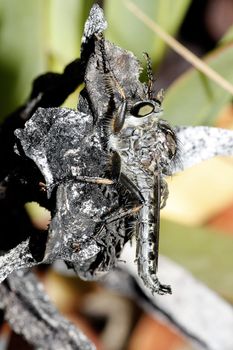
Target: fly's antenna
149 74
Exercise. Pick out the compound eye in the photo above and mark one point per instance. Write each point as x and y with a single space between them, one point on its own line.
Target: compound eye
142 109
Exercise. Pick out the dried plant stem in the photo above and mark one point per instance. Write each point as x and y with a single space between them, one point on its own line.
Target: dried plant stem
179 48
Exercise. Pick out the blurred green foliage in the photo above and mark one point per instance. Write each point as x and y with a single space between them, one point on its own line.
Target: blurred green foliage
127 31
194 99
36 36
204 252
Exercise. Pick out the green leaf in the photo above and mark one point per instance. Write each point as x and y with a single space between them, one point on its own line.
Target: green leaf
36 36
193 99
65 24
125 30
21 48
206 253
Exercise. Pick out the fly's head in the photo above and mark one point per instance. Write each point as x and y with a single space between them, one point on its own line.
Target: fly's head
146 111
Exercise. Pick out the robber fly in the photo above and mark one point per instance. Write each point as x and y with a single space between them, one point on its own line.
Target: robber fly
147 148
145 144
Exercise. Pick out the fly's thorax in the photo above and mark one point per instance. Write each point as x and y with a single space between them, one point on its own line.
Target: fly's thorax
146 146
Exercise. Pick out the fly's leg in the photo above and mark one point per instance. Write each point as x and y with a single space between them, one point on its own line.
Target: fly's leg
116 173
116 166
120 116
94 180
87 179
164 193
